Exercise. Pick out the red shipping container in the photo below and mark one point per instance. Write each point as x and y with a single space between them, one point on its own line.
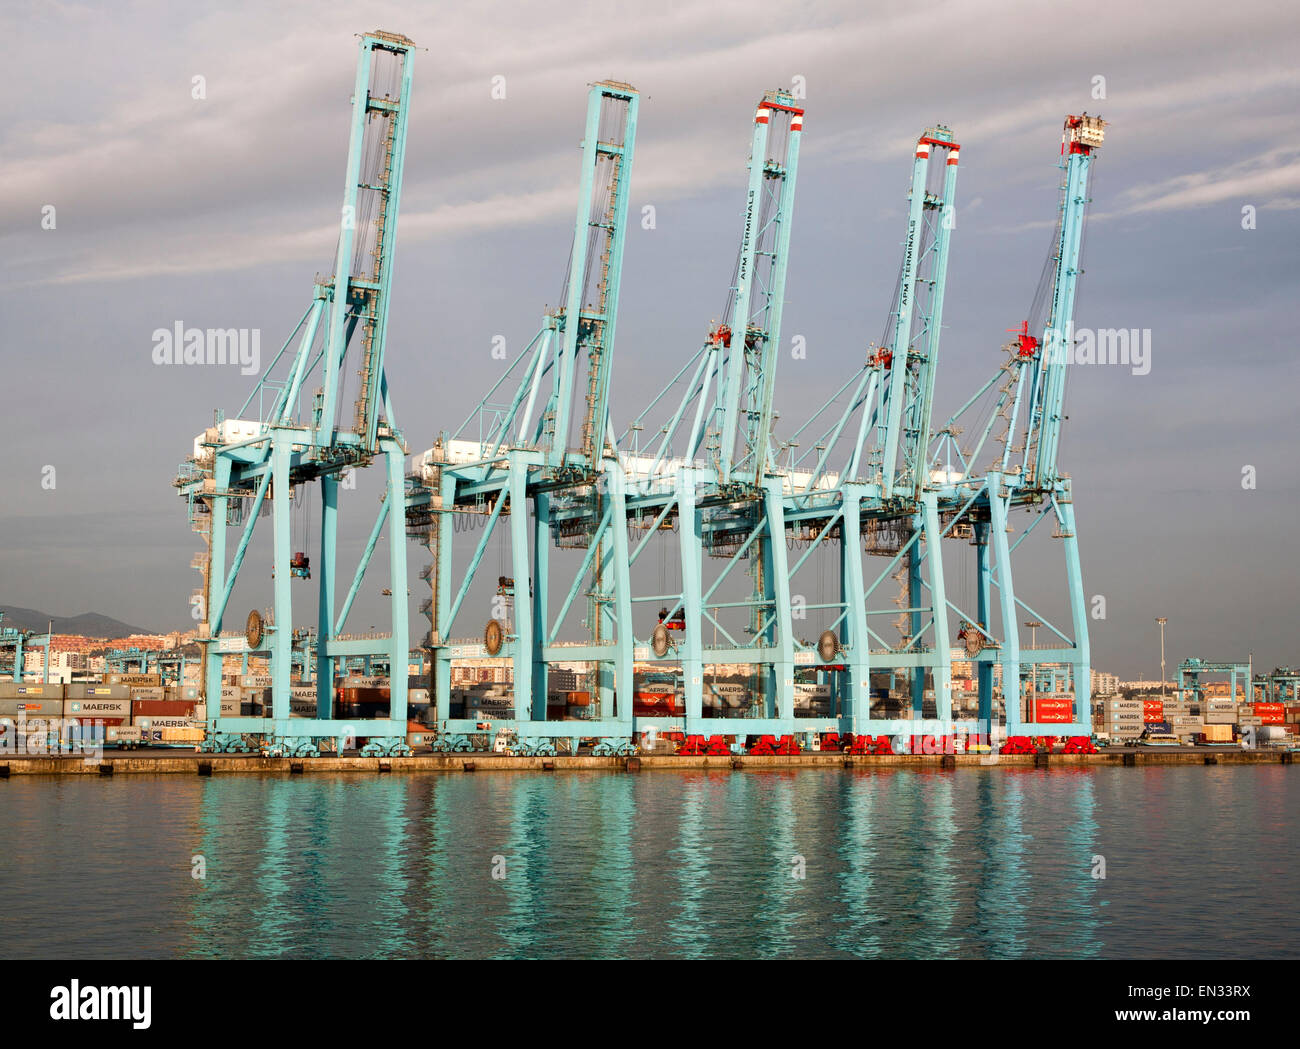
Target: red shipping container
1271 713
1053 711
1153 710
162 708
656 704
362 696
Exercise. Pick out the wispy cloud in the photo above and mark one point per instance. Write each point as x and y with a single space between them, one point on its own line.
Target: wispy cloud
1269 180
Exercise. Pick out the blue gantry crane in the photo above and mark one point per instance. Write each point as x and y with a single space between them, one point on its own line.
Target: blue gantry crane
713 482
284 448
1023 429
868 489
518 462
577 513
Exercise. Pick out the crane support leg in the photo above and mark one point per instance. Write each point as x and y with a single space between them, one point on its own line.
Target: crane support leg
690 548
399 644
857 692
984 597
329 530
523 644
941 671
998 505
625 640
777 584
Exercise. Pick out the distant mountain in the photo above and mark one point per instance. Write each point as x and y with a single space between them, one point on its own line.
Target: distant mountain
89 624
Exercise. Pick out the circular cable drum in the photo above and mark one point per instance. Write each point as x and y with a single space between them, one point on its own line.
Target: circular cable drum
974 640
253 629
659 641
827 646
493 637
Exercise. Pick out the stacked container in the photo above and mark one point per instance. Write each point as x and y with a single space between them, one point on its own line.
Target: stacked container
1124 718
87 703
1052 710
1219 711
1269 713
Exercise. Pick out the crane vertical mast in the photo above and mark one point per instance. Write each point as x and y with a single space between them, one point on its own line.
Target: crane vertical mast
1081 135
587 318
912 340
358 289
751 328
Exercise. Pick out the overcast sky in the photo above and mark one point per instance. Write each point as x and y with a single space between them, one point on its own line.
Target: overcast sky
218 211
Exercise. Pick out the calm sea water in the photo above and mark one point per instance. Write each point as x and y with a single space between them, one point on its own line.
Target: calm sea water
981 863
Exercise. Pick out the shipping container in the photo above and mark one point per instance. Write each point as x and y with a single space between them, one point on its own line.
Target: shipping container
155 693
26 690
87 690
367 696
95 708
1053 711
127 736
31 707
133 679
303 700
188 735
153 724
357 681
160 708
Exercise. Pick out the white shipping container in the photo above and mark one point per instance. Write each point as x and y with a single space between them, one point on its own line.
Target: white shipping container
98 708
363 682
155 723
